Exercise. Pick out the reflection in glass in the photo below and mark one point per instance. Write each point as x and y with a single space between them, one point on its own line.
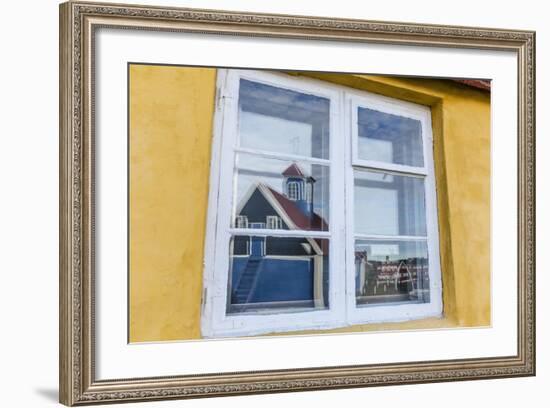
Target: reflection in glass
389 204
389 138
280 194
391 272
269 273
282 121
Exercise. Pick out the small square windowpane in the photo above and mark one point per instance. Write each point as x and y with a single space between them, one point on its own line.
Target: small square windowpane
388 138
273 273
280 194
391 272
283 121
389 204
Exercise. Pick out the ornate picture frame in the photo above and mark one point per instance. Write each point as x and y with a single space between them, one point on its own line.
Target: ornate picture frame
79 22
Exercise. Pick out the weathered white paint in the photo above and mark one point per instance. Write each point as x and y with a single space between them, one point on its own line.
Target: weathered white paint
342 310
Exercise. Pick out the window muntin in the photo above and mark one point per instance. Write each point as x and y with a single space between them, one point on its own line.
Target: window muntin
345 303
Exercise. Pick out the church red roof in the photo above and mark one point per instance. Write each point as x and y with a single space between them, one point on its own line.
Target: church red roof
293 170
315 223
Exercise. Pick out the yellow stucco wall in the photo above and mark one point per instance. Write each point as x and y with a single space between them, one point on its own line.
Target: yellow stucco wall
171 115
170 133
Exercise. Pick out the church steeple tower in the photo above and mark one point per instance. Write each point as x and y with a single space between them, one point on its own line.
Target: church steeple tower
298 187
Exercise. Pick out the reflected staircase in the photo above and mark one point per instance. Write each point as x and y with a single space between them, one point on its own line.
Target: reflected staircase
247 282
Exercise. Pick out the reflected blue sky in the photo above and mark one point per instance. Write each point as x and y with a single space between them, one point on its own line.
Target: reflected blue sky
389 138
283 121
386 204
273 134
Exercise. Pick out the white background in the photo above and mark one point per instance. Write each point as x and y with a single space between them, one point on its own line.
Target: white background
28 216
117 359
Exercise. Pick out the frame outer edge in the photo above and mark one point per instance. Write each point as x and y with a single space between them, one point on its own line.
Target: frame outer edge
526 204
534 201
76 359
66 322
530 236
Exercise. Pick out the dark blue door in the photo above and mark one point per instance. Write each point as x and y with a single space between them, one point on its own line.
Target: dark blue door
257 245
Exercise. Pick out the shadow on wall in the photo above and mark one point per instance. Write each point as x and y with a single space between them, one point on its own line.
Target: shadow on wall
50 394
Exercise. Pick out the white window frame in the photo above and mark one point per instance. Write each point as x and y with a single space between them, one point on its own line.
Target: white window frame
273 222
294 192
215 322
242 221
378 313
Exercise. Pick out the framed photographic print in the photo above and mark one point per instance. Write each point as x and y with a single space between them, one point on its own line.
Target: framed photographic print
256 203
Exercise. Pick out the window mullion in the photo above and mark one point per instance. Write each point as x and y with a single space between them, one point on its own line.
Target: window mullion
339 200
349 239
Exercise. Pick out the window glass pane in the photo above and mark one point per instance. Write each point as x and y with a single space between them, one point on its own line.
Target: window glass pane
273 273
388 204
296 193
391 272
389 138
283 121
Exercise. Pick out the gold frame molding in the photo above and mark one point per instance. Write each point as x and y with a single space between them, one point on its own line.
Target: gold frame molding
78 22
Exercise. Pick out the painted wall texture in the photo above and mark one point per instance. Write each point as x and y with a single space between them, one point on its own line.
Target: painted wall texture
170 132
170 120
